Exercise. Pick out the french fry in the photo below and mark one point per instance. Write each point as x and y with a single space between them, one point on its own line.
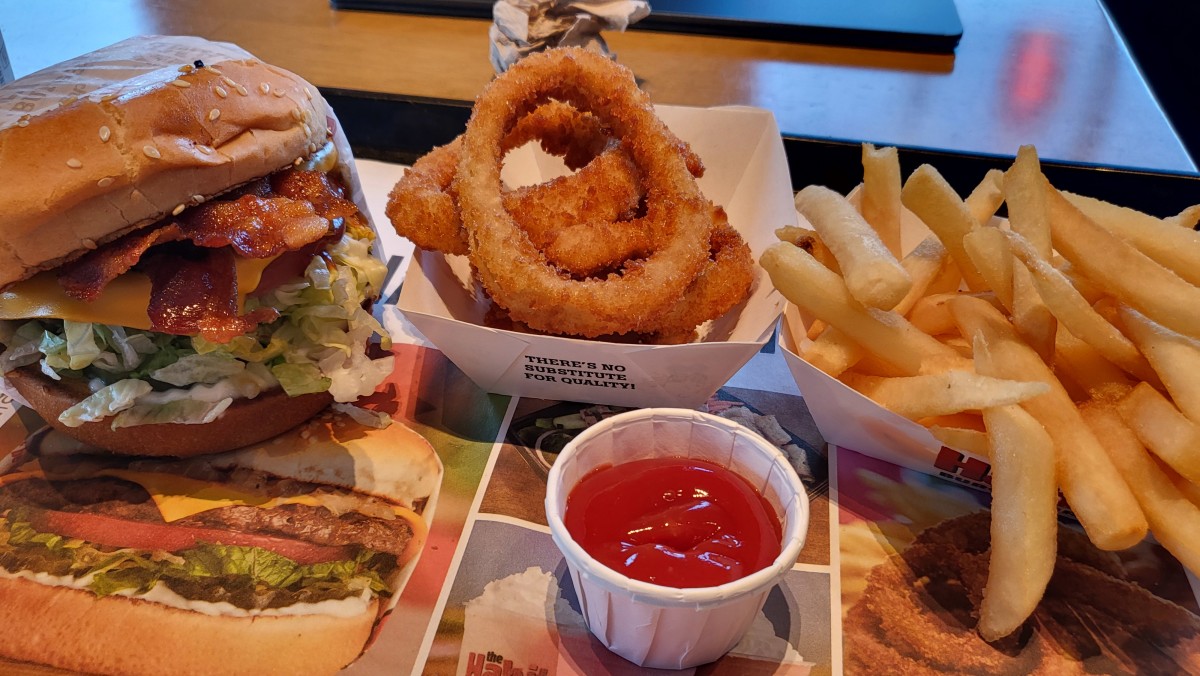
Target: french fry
987 197
813 287
1121 270
1175 248
833 352
967 420
970 441
1174 519
931 198
1095 376
1076 313
811 242
816 329
931 315
924 264
881 194
1189 490
1082 284
988 250
1025 194
1188 218
919 397
1175 358
1024 520
872 274
1097 494
948 280
1163 429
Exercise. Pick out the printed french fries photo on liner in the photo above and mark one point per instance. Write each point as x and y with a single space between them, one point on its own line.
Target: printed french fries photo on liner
1060 343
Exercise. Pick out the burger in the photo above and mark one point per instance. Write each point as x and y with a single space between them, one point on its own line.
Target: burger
281 557
183 268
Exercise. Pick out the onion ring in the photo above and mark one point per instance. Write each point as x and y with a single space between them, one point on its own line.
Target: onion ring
724 282
592 205
516 273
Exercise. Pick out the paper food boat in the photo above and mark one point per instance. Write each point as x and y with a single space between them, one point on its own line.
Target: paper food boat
849 419
746 172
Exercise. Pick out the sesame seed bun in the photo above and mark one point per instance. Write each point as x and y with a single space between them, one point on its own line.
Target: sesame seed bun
130 153
116 635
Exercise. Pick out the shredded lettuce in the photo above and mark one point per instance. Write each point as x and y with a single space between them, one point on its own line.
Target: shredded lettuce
108 400
227 567
298 379
377 419
180 411
199 368
318 344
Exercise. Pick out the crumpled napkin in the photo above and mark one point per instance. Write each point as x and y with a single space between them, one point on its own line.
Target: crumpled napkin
521 27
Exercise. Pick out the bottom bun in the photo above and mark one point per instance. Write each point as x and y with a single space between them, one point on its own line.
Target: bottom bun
73 629
246 421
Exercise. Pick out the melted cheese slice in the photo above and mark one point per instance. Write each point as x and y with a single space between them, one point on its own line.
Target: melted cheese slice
178 497
123 302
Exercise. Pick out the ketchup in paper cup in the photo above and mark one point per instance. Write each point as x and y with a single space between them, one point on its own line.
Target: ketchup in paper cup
667 625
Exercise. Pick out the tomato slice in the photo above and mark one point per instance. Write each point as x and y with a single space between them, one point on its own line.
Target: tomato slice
114 532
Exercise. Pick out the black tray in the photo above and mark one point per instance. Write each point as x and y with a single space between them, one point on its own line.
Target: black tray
400 129
906 25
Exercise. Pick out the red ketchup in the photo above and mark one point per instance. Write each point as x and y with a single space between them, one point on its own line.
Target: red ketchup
677 522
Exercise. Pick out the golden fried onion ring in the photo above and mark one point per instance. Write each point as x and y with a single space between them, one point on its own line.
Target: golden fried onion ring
514 272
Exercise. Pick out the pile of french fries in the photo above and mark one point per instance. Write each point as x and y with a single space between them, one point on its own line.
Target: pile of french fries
1062 343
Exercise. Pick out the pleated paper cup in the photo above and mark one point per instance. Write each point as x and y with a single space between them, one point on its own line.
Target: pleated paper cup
666 627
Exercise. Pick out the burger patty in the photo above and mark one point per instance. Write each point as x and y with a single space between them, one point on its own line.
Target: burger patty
125 500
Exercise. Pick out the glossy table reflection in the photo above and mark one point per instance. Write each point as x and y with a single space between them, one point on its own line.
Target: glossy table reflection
1054 74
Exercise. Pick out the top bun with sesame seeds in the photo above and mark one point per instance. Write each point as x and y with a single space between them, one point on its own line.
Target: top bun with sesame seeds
126 155
186 264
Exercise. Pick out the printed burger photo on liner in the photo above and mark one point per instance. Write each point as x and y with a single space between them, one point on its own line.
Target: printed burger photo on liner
198 491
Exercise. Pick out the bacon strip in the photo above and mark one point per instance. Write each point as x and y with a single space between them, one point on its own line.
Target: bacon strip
86 278
256 227
199 296
286 212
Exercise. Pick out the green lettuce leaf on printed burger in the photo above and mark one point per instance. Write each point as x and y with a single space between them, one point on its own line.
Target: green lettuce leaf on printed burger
181 268
280 557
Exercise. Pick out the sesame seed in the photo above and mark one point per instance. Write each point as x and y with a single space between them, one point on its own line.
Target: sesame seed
22 123
205 149
88 243
297 115
221 91
105 182
278 93
307 130
214 114
186 68
265 88
178 209
308 93
241 90
105 134
181 83
297 161
74 163
197 199
152 152
226 80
